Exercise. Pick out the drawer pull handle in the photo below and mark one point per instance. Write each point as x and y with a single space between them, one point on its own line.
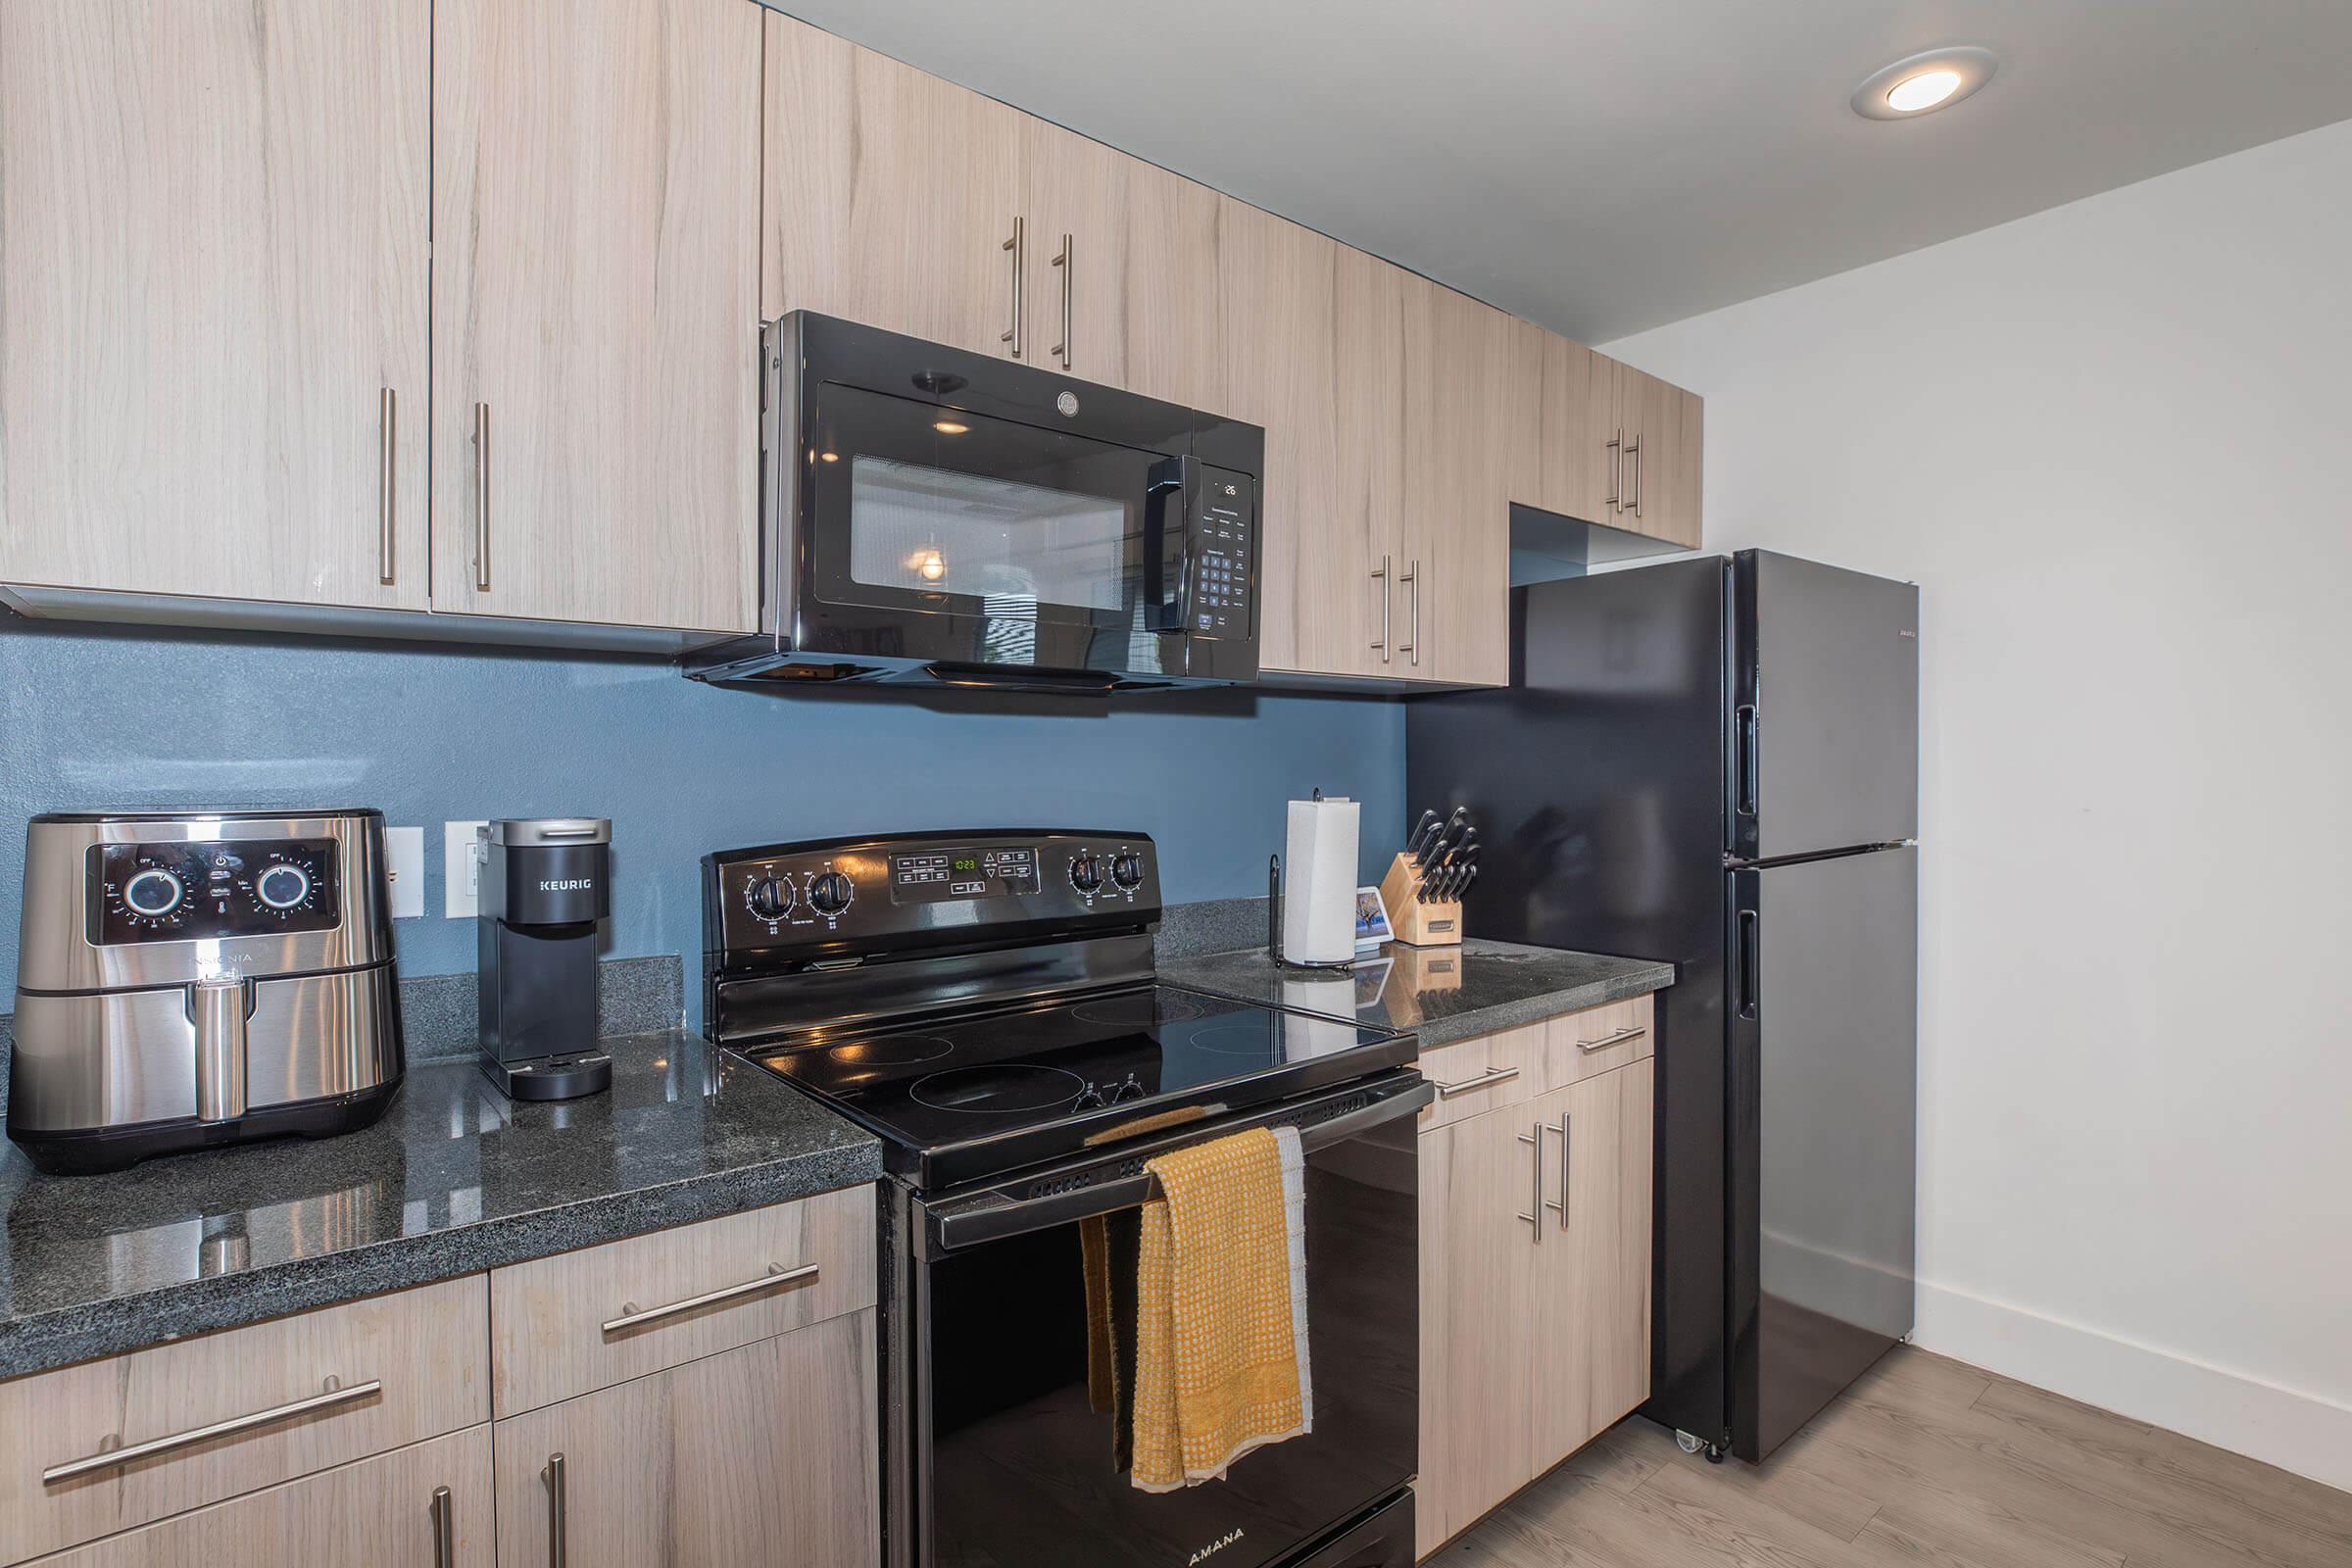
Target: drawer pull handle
445 1550
776 1278
116 1458
1632 1031
1484 1080
559 1512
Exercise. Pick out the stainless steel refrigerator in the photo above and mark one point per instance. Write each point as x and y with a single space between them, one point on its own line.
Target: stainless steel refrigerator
1714 763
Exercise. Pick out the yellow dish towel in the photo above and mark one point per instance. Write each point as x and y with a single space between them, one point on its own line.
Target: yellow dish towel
1220 1360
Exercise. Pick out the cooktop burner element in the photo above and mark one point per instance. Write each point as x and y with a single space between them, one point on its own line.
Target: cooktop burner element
894 1051
1005 1089
1029 1025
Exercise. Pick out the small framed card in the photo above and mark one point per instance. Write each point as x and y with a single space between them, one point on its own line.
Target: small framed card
1371 921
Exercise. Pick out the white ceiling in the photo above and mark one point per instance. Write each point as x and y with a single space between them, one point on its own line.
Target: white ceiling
1605 166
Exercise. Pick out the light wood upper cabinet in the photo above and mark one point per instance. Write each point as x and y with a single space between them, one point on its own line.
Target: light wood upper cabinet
1277 282
213 295
1122 269
889 196
766 1454
1659 491
1363 555
1457 524
596 310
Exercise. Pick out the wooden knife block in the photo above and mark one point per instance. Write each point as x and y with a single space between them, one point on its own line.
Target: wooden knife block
1417 924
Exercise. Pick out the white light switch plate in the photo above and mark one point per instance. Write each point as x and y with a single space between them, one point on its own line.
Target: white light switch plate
404 855
460 871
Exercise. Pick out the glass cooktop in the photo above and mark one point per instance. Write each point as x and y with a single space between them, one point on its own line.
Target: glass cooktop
988 1093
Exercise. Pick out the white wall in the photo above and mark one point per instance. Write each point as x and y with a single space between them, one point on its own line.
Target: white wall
2113 443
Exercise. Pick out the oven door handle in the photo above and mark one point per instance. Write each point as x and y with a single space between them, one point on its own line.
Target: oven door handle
1016 1209
1174 480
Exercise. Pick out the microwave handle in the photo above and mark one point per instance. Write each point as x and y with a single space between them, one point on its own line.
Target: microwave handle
1175 481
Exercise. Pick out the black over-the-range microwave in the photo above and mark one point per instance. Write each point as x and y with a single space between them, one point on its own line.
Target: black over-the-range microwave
929 514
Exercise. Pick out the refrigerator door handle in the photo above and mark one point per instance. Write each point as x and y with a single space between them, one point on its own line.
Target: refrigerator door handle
1744 744
1747 959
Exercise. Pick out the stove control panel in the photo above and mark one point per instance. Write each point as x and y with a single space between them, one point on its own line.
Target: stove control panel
880 893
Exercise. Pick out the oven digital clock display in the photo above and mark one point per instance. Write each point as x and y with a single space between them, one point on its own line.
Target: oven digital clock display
944 874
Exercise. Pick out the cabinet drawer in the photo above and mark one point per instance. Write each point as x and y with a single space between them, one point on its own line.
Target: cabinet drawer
384 1512
586 1320
1585 1045
408 1365
768 1454
1483 1073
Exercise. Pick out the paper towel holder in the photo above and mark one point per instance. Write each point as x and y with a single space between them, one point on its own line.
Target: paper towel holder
1274 924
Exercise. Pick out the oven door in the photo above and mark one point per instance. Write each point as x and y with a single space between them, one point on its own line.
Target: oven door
1010 1462
958 536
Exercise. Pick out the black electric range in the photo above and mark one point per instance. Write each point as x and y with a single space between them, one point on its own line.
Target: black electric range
986 1003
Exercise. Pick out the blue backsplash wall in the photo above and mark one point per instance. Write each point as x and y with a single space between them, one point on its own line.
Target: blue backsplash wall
428 733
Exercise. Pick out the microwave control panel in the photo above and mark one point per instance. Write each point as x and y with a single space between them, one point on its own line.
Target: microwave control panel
1224 554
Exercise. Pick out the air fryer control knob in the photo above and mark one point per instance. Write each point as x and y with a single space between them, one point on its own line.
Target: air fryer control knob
830 893
1086 873
1127 868
770 898
283 886
154 893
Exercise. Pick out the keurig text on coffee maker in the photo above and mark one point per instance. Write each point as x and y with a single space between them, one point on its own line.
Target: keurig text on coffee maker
545 885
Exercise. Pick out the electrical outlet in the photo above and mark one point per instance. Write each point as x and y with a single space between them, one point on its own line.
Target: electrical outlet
461 870
404 871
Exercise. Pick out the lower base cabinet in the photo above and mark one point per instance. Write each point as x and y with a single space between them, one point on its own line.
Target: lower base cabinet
1535 1289
427 1505
760 1457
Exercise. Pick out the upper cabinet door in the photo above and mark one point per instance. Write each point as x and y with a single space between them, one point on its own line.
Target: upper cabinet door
596 310
1278 281
1658 490
1578 417
890 197
213 297
1457 478
1122 269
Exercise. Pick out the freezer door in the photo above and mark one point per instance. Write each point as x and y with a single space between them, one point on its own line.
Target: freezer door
1825 722
1823 1000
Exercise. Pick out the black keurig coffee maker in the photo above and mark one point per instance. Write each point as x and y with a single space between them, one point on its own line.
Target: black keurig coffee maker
545 884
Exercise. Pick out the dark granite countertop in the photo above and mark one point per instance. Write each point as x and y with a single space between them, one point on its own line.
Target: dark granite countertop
1439 994
454 1179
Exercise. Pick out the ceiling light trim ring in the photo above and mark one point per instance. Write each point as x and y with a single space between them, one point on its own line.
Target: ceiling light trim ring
1973 67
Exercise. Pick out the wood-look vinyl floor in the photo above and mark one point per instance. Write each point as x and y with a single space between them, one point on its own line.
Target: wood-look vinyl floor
1923 1463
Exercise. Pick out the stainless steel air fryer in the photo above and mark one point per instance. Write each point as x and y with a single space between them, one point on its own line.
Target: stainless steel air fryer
193 978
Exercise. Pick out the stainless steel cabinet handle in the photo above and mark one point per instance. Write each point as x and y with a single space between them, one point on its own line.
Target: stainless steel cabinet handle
1017 248
1380 645
775 1279
445 1547
114 1458
481 497
1412 575
1536 1219
1615 447
1567 1147
1629 1032
1632 451
387 422
555 1510
1485 1080
1069 287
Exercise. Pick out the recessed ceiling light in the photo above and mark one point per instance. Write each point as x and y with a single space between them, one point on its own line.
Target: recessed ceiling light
949 426
1924 83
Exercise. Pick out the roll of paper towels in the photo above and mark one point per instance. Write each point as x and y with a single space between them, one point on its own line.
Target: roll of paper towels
1318 891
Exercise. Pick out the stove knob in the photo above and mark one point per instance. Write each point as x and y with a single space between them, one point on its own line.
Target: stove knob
1086 873
1127 868
830 893
770 898
283 886
154 893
